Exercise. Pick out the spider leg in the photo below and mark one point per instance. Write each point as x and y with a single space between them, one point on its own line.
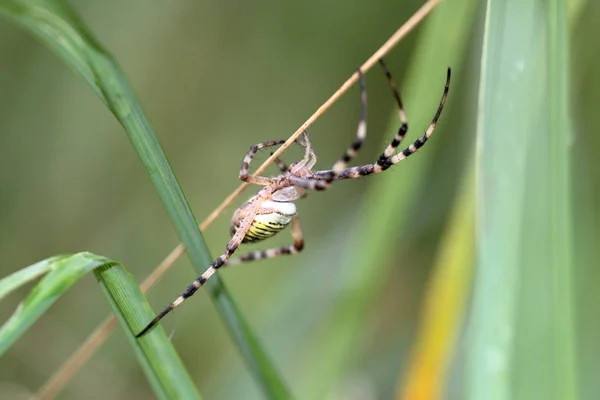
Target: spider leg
230 248
318 183
417 144
385 161
402 114
275 252
283 167
361 131
258 180
310 158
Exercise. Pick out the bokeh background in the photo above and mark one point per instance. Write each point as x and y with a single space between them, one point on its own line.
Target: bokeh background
215 77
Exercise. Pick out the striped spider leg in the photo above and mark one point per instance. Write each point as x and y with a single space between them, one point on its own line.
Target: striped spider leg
272 209
263 215
389 157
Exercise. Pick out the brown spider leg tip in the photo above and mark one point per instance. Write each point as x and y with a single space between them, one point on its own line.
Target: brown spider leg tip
146 328
154 322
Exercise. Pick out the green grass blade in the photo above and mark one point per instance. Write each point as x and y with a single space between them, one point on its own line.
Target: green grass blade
561 211
159 360
62 272
501 125
25 275
157 356
58 26
522 340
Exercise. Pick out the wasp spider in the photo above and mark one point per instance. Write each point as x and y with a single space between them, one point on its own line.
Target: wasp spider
272 208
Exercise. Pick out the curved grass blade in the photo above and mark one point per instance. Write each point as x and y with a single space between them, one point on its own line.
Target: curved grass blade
521 332
159 360
62 272
26 275
58 26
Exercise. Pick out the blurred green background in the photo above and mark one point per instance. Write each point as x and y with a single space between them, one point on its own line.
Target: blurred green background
214 78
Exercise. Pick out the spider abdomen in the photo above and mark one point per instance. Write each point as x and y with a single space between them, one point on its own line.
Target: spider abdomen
260 231
272 217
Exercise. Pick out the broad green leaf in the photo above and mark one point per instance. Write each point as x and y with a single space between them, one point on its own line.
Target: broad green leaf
521 331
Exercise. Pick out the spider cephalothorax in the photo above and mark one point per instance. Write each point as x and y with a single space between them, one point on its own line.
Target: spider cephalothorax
272 208
276 213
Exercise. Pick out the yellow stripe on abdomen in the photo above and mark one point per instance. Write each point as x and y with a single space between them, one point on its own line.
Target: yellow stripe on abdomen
261 230
272 218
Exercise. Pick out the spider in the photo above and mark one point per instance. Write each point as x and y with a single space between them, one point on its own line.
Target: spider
272 209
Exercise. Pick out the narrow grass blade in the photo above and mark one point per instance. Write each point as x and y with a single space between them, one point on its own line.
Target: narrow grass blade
26 275
521 332
58 26
62 272
161 364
